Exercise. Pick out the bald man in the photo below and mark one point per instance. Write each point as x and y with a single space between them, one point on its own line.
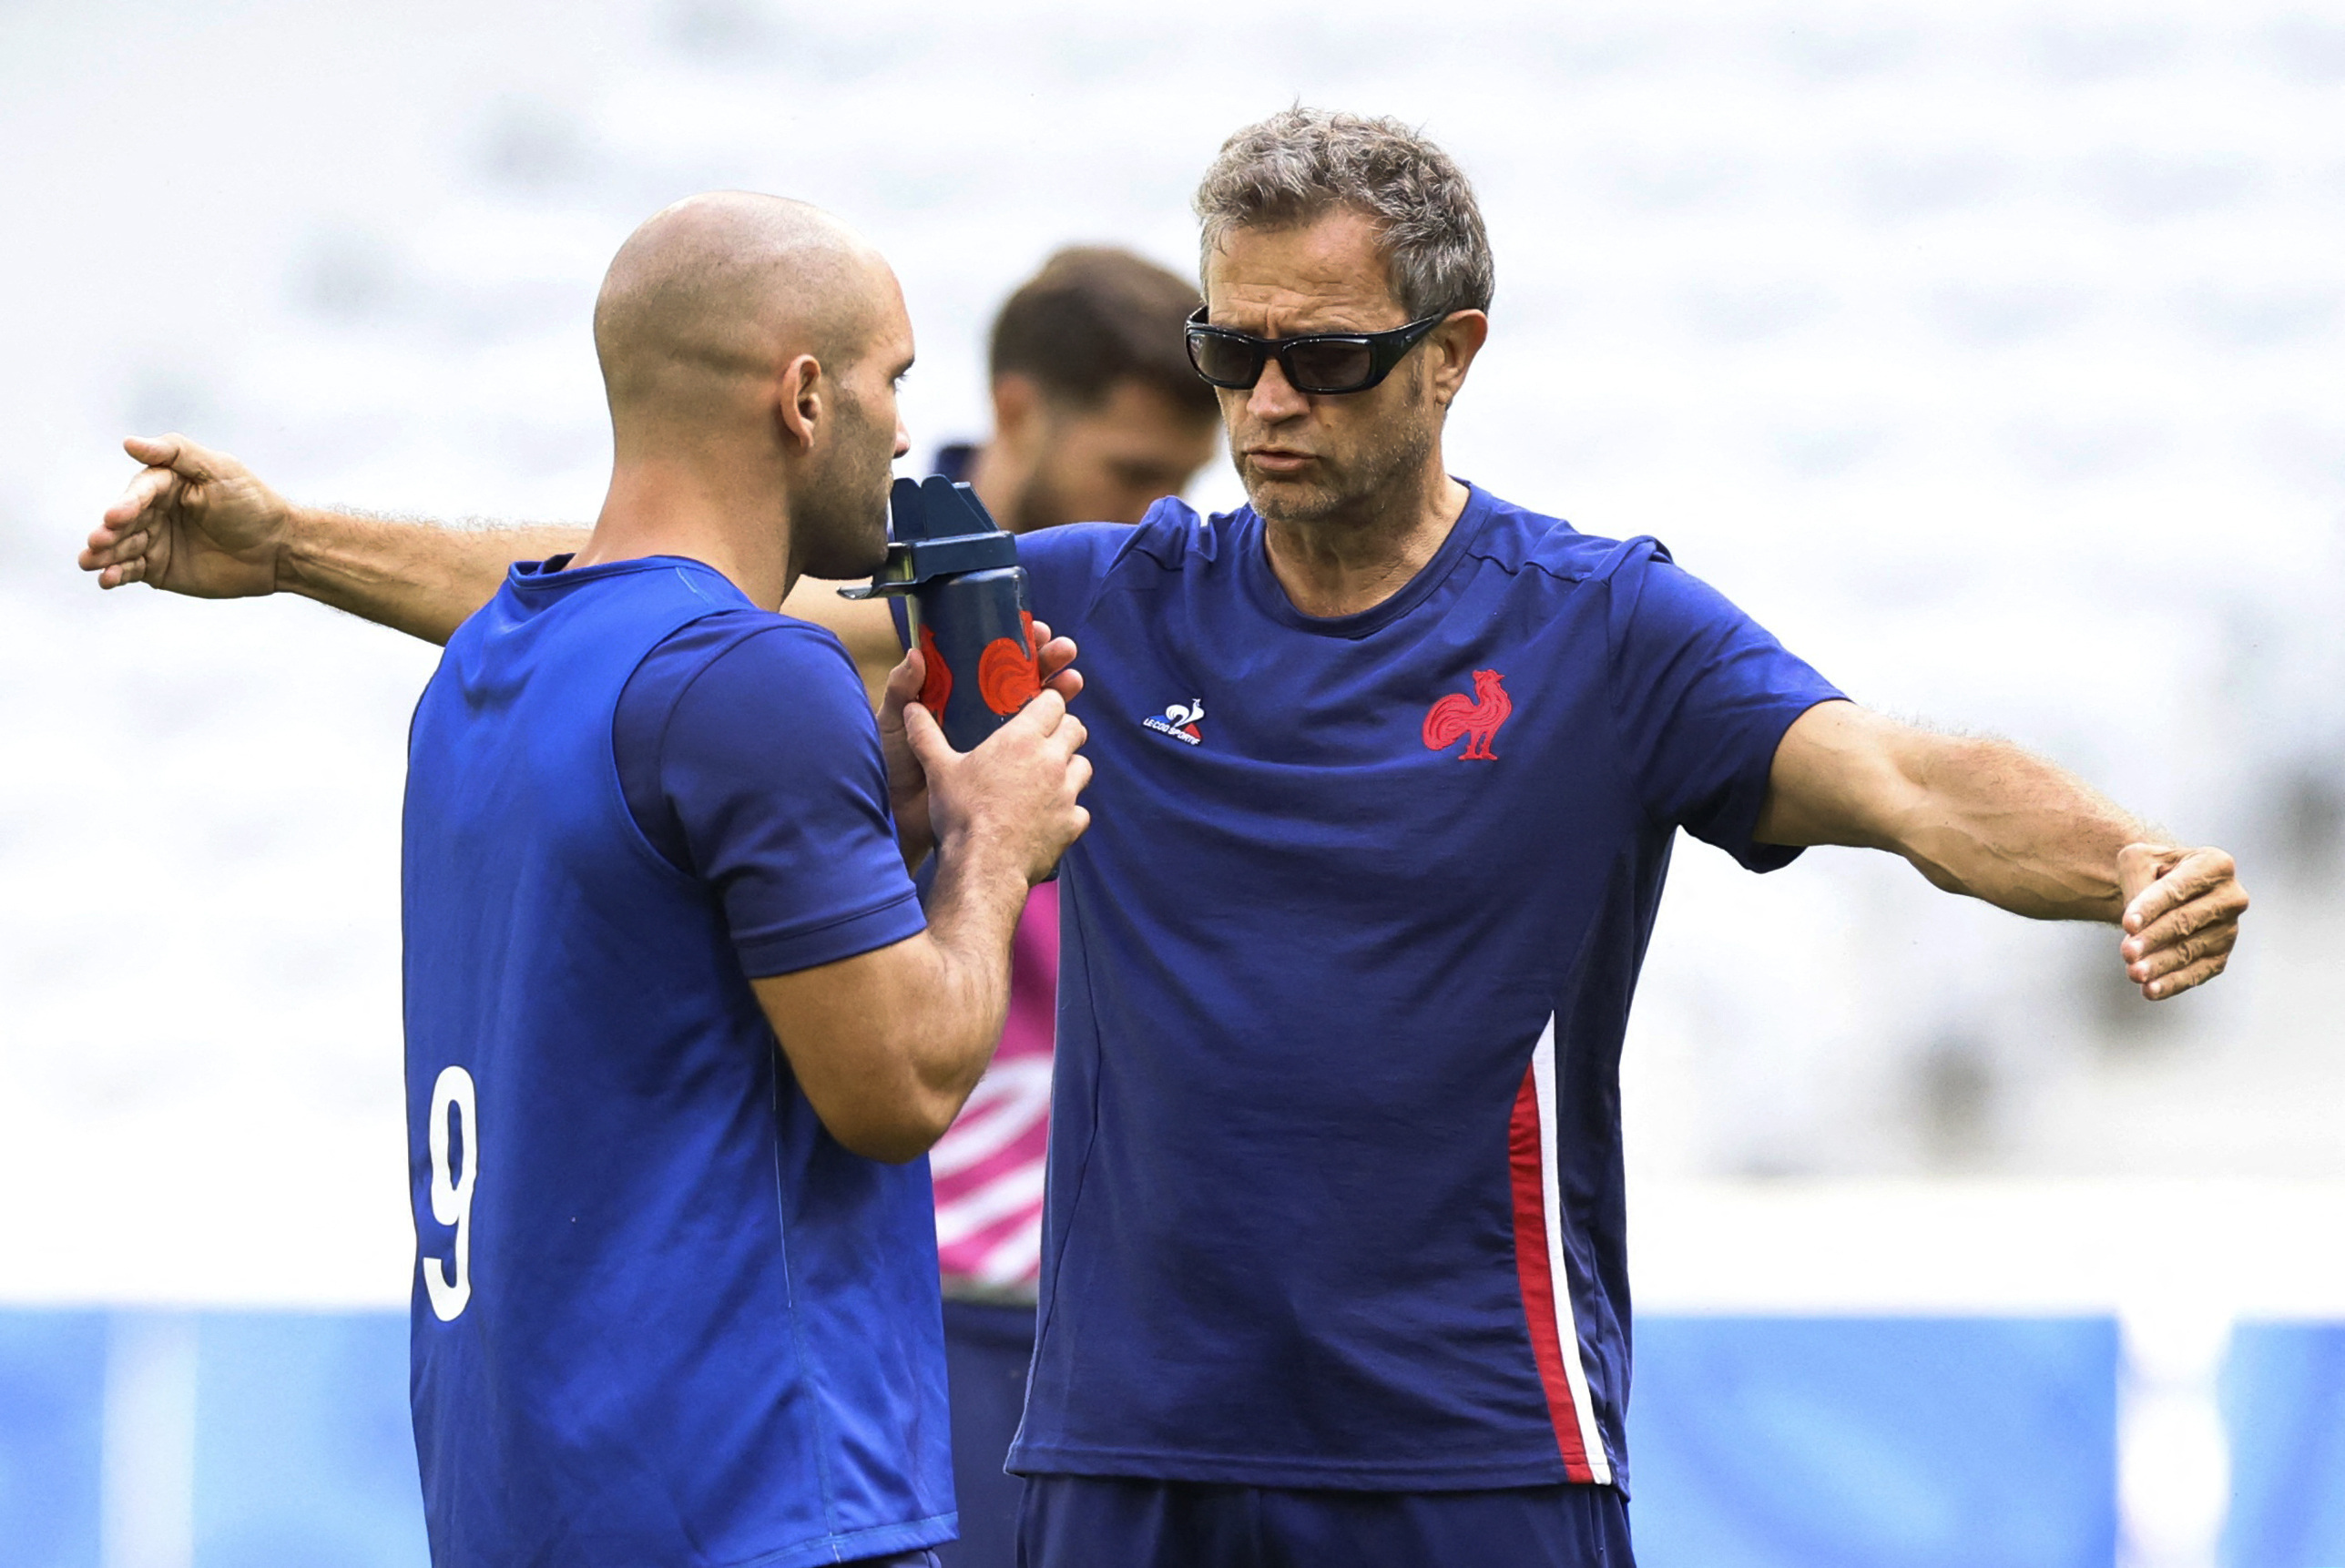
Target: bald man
677 1031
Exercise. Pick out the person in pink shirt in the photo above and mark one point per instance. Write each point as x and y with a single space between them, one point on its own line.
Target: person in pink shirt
1096 413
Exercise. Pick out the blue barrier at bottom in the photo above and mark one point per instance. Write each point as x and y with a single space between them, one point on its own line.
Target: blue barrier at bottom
1866 1442
1757 1442
303 1450
2284 1402
52 1417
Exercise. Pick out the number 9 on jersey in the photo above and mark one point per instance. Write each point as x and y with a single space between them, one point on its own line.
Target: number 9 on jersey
452 1190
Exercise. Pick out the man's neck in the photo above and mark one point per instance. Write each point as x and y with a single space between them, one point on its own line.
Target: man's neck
1350 563
659 508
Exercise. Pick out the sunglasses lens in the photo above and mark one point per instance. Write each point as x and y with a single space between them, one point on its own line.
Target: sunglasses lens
1224 362
1330 367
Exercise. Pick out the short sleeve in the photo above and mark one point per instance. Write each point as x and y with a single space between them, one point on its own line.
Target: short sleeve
1702 696
771 787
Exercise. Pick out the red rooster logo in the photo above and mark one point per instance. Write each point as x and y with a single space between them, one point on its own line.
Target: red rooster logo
1476 717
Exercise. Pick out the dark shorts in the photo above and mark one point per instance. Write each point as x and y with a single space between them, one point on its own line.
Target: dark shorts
1092 1522
986 1352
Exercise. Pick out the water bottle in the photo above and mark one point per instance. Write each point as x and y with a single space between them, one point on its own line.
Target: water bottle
964 598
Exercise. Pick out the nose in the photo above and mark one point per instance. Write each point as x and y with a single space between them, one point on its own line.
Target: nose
904 439
1274 398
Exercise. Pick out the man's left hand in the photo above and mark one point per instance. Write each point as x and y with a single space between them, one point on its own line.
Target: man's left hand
2181 917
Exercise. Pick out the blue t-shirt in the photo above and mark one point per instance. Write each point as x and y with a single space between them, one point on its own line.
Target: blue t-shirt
747 754
1335 1180
660 1315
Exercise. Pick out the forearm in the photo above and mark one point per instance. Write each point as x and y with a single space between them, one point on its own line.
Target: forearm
1986 818
1976 816
973 905
418 578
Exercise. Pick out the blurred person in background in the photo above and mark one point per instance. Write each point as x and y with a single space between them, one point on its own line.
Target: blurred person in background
1390 771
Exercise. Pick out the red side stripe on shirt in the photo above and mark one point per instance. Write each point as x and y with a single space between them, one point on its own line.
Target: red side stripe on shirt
1538 1288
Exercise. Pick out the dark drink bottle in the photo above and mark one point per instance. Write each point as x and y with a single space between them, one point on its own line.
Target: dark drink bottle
964 606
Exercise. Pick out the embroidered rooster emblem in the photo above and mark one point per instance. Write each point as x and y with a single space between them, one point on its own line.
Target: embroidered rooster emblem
1476 717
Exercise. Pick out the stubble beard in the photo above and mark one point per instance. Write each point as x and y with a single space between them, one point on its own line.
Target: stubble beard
842 520
1362 486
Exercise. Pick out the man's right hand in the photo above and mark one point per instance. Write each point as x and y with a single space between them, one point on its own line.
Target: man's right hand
1012 797
193 522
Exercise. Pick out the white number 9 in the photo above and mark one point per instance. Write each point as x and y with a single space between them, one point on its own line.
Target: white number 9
452 1194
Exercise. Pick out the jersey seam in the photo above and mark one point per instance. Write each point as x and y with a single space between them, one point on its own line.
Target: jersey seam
1613 753
637 839
668 719
790 1305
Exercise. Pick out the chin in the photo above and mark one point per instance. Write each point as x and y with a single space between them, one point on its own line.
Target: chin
1289 500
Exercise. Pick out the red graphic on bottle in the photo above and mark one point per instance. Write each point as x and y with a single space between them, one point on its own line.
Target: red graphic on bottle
1476 717
1006 676
936 676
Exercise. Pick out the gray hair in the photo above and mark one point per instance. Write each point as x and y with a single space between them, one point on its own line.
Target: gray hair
1302 163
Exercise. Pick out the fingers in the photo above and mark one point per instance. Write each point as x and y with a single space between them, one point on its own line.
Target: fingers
178 454
155 451
2192 875
109 548
926 737
1045 714
1056 662
2193 975
2169 958
2181 918
2221 906
903 682
150 486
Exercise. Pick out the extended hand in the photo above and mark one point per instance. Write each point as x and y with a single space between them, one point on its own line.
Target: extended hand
2182 916
192 522
907 783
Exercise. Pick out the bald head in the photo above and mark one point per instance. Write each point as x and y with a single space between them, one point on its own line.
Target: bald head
712 297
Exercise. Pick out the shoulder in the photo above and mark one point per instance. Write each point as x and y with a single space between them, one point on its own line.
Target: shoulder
1071 565
1170 536
746 661
1524 543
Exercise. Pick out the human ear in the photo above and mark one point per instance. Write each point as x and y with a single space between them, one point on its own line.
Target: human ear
798 402
1458 339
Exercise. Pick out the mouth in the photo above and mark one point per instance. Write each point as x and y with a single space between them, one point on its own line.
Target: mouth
1278 459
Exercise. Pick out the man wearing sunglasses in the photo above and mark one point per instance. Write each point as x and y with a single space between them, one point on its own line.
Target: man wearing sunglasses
1388 775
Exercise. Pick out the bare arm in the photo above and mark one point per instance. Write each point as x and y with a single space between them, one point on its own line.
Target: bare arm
199 521
888 1044
1986 818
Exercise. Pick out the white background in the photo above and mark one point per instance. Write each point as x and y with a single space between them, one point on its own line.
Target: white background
1990 355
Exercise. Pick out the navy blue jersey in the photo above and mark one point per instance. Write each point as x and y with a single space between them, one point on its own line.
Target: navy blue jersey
660 1315
1335 1174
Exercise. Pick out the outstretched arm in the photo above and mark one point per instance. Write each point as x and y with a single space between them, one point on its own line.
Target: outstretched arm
198 522
1986 818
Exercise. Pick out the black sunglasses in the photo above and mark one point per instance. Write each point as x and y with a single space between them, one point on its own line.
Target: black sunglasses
1317 363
